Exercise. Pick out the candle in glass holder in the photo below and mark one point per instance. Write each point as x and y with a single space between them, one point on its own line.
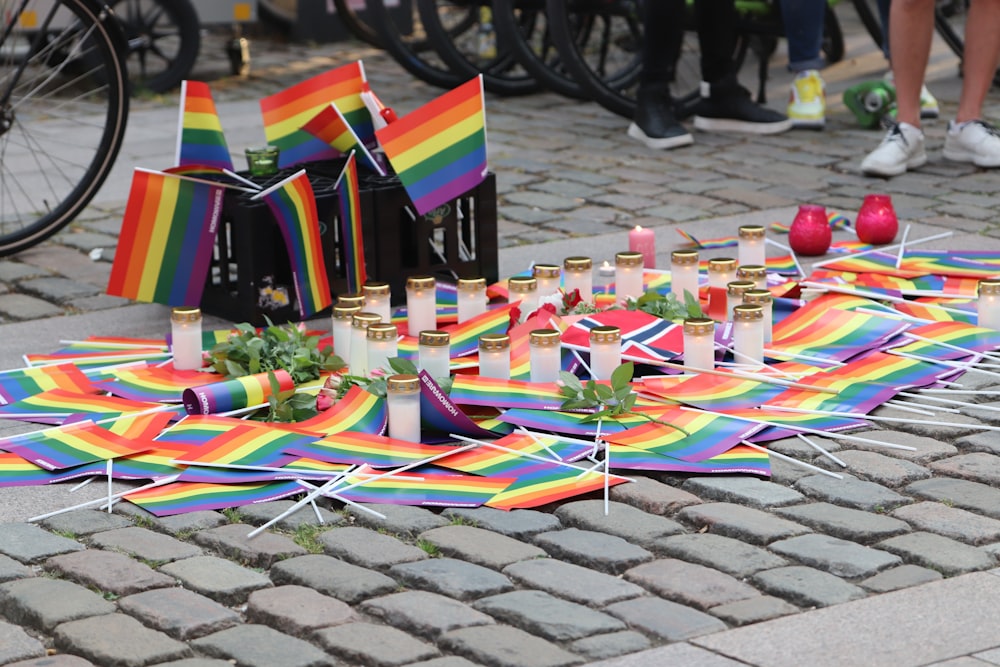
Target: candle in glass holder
434 353
748 334
471 298
547 277
699 343
605 351
684 274
755 273
762 298
342 316
263 160
628 276
494 356
752 248
578 275
185 338
643 241
545 357
377 299
734 295
421 304
357 364
403 403
525 290
382 345
721 271
988 304
353 299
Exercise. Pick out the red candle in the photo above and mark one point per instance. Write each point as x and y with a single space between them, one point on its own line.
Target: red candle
643 241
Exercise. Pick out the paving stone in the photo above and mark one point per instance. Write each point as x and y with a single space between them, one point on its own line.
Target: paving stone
753 610
806 586
972 496
296 610
504 646
938 553
451 577
948 429
594 550
836 556
117 640
195 662
976 467
16 644
690 584
44 603
958 524
903 576
368 548
480 546
84 522
624 521
222 580
572 582
24 307
550 617
260 513
261 550
178 612
851 492
399 519
519 524
652 496
10 570
425 614
190 522
448 661
665 619
144 544
602 647
261 646
333 577
927 449
11 271
28 543
108 571
744 523
722 553
97 302
742 490
57 660
57 289
370 644
885 470
844 522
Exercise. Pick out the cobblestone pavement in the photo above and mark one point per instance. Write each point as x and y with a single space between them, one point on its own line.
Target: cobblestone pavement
678 561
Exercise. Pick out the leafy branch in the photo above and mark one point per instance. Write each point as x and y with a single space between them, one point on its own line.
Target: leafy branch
667 306
277 347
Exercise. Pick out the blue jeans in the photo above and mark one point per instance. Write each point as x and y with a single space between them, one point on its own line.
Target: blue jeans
803 21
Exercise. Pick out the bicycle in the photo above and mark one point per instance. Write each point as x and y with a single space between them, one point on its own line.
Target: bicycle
63 109
164 37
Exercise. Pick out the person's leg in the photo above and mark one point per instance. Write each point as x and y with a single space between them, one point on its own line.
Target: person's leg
803 21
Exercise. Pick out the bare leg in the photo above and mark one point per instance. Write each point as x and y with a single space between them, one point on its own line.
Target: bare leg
911 26
982 50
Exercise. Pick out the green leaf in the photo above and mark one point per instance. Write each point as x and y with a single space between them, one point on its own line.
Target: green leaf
575 405
570 380
568 392
622 376
692 305
246 328
235 370
403 366
604 392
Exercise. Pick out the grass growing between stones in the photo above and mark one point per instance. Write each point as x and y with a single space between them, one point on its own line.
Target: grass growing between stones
307 536
232 515
430 548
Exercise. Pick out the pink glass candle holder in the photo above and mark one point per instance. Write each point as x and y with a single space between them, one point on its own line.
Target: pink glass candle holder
876 222
810 233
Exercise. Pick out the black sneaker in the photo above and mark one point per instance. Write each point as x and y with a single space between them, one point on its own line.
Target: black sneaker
655 124
727 107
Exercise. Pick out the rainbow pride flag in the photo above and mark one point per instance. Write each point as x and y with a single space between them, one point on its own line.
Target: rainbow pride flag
575 423
181 497
494 392
294 207
250 444
787 424
439 150
832 334
57 405
287 111
852 396
72 445
704 434
723 242
15 471
357 410
377 451
740 459
23 382
330 126
711 392
167 238
465 336
352 242
235 394
925 310
152 383
969 337
200 140
424 489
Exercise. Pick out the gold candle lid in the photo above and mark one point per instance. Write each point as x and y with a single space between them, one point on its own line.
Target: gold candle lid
721 264
420 282
471 283
684 257
182 315
545 271
375 289
355 299
494 342
747 312
738 287
522 284
758 296
628 259
403 383
365 320
434 338
989 286
605 334
751 271
578 264
544 337
345 312
751 232
382 331
699 326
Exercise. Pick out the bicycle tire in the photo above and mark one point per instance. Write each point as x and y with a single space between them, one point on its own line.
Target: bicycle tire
833 37
164 38
355 25
281 14
64 104
475 51
870 20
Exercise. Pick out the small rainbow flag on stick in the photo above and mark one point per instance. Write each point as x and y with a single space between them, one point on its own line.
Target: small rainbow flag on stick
439 150
330 126
167 239
294 207
351 237
200 140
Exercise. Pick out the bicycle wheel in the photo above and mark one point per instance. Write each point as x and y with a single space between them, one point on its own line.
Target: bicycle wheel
63 108
408 44
949 19
164 37
355 25
868 13
281 13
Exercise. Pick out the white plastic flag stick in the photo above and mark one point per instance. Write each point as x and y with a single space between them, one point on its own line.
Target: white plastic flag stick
111 491
877 296
102 499
964 404
894 315
896 420
483 443
587 471
825 452
922 408
795 259
607 478
597 437
941 343
539 441
902 246
114 346
582 362
332 494
771 452
85 482
909 408
309 497
926 239
235 176
942 362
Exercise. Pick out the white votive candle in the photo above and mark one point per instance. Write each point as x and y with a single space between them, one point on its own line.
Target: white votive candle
341 322
578 275
421 304
699 343
748 334
525 290
684 274
382 345
988 304
471 298
545 355
751 245
548 277
403 402
628 276
734 295
357 364
755 273
605 351
762 298
494 356
721 271
433 353
352 299
377 299
185 338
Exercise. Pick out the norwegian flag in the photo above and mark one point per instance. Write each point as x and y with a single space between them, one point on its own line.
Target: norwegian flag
644 336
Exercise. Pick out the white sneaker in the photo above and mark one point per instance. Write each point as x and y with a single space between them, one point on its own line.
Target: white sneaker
902 149
928 103
807 100
975 141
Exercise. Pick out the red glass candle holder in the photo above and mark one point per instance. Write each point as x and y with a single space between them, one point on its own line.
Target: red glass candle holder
876 222
810 233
